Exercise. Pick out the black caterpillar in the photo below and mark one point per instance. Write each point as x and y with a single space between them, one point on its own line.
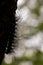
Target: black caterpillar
7 26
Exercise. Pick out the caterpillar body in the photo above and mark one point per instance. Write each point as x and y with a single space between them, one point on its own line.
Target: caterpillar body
7 26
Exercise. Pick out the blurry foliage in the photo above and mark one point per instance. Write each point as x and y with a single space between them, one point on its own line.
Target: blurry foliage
36 11
37 59
26 32
40 27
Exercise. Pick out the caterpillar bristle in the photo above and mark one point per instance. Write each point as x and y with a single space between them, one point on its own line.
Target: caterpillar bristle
12 35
